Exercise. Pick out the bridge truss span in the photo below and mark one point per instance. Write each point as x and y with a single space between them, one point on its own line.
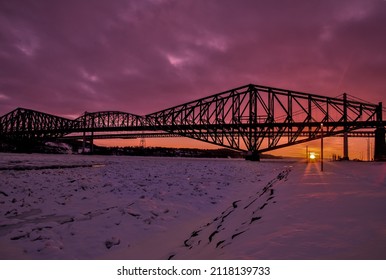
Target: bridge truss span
110 121
250 118
259 118
24 123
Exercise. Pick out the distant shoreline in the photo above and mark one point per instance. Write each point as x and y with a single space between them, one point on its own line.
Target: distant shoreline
77 148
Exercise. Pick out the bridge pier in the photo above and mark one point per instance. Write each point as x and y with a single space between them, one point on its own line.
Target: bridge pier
253 156
345 146
92 142
84 143
345 135
380 146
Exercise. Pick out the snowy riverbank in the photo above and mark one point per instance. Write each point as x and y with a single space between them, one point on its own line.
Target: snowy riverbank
95 207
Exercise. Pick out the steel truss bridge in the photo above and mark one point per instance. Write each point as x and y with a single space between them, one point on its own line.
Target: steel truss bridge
250 118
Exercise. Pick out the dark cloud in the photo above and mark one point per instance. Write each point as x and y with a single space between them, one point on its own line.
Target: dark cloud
66 57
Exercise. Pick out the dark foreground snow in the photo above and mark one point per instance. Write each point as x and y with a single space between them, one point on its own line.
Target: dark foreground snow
94 207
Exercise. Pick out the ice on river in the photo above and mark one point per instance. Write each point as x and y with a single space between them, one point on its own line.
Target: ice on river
116 207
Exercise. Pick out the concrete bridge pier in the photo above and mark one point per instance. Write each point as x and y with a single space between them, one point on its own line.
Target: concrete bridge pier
84 143
345 146
91 143
253 156
380 146
345 135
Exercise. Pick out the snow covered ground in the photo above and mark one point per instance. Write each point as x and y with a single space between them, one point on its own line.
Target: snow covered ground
106 207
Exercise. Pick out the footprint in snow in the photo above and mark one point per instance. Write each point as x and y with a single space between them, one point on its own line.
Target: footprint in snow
112 242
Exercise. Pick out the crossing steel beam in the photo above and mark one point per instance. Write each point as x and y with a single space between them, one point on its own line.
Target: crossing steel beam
110 121
259 118
251 118
25 124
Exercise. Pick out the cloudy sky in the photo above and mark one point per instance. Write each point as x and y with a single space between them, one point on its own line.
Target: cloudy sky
67 57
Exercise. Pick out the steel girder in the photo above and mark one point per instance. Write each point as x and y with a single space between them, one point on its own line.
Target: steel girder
259 118
135 135
248 118
110 121
24 123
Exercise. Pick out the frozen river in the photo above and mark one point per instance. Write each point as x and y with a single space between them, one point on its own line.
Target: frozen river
106 207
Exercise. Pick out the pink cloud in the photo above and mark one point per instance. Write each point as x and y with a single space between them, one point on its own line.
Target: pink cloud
143 56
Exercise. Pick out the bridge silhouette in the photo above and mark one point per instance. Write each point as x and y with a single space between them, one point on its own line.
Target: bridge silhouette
249 118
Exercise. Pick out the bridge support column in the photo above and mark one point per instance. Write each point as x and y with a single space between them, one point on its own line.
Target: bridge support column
345 135
253 156
345 146
84 143
380 145
92 142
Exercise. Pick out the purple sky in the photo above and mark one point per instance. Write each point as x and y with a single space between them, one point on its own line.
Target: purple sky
67 57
